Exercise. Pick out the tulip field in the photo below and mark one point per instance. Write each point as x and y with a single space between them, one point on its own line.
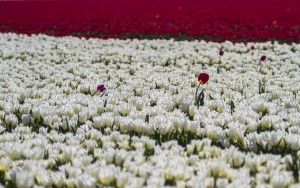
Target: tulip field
169 97
148 113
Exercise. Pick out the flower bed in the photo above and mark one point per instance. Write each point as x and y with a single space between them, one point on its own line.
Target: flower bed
76 112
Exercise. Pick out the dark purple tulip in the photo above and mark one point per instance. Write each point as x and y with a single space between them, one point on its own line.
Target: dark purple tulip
263 58
101 88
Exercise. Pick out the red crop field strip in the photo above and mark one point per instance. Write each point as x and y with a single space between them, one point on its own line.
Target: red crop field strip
217 20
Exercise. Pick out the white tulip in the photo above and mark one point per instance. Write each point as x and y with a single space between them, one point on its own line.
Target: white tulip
11 120
5 164
192 110
106 175
58 178
86 181
83 116
24 179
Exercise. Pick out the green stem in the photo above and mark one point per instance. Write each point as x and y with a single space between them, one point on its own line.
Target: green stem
201 99
196 95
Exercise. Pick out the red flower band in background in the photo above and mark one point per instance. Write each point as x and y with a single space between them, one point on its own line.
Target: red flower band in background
215 20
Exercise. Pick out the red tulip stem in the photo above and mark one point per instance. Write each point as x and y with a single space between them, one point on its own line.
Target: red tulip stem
260 64
197 96
197 88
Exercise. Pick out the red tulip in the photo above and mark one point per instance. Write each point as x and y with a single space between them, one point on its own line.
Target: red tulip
203 78
221 52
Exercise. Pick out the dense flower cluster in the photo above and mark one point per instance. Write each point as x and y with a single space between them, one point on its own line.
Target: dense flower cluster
57 129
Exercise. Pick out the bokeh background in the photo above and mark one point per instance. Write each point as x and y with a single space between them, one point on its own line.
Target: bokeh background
216 20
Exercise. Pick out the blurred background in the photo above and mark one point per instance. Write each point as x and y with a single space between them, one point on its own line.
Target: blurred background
216 20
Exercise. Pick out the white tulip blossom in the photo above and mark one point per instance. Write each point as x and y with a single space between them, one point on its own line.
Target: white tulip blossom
24 179
11 120
83 116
